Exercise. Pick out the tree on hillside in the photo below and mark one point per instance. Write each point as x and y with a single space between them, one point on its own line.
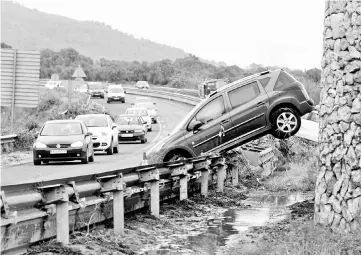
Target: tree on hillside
338 187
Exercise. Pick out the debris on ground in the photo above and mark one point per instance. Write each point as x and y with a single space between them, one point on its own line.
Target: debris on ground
178 221
16 158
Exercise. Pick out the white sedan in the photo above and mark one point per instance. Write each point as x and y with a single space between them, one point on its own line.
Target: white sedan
141 112
151 108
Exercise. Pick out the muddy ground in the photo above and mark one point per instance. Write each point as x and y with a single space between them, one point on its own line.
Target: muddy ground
195 226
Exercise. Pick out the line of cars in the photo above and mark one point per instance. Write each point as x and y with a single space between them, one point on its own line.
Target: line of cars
78 139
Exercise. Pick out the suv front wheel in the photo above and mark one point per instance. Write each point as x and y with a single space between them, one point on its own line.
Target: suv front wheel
286 122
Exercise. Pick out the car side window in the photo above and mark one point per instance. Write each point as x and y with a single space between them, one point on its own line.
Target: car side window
211 111
244 94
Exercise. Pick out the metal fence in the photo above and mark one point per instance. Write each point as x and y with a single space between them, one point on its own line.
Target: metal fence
33 212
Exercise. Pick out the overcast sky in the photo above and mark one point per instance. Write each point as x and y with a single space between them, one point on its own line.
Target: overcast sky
270 32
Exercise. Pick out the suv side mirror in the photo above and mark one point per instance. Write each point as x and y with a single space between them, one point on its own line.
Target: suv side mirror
195 126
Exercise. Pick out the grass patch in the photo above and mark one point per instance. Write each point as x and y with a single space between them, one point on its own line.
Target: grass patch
296 167
53 104
303 237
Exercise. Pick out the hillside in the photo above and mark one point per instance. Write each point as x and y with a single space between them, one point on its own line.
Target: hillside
25 28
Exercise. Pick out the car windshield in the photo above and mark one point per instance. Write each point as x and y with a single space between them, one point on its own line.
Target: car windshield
115 90
95 86
136 112
61 129
148 106
128 121
93 120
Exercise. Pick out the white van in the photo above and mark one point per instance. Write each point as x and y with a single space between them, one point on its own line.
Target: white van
115 93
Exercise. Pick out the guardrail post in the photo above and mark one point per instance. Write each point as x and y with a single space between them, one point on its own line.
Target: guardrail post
234 175
220 164
115 184
202 165
151 174
154 198
204 183
57 194
62 222
234 165
181 170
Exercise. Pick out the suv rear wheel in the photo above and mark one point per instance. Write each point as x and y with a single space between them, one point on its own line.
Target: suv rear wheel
286 122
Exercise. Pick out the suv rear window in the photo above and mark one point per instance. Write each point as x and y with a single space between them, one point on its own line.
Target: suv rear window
243 94
284 79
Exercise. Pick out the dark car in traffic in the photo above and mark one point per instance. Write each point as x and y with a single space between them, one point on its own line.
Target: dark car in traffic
96 89
63 140
132 128
270 102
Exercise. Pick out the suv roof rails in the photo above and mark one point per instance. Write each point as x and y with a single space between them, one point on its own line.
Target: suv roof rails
240 80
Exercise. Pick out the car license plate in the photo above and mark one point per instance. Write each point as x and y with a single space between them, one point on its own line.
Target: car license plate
127 135
58 152
116 98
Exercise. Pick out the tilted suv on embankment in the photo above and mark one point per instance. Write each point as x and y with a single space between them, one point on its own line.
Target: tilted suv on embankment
271 102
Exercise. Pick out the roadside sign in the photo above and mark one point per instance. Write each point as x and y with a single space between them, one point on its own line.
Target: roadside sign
20 71
54 77
79 73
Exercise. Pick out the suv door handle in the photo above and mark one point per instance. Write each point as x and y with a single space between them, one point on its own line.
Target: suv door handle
260 103
224 122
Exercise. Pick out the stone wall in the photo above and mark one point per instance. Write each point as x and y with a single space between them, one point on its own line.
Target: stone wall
338 187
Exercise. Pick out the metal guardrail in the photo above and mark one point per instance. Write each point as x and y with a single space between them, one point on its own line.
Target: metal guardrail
165 95
8 138
33 212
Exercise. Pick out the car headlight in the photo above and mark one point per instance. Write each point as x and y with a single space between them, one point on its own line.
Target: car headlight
104 133
39 145
77 144
138 130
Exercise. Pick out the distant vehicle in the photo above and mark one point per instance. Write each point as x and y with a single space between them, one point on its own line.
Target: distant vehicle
132 128
151 108
53 84
142 85
208 86
141 112
105 133
270 102
83 88
96 89
115 93
106 86
63 140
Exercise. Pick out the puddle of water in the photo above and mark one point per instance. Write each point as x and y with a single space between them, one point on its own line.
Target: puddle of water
224 231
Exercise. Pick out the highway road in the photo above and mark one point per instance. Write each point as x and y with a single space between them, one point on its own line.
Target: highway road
130 154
